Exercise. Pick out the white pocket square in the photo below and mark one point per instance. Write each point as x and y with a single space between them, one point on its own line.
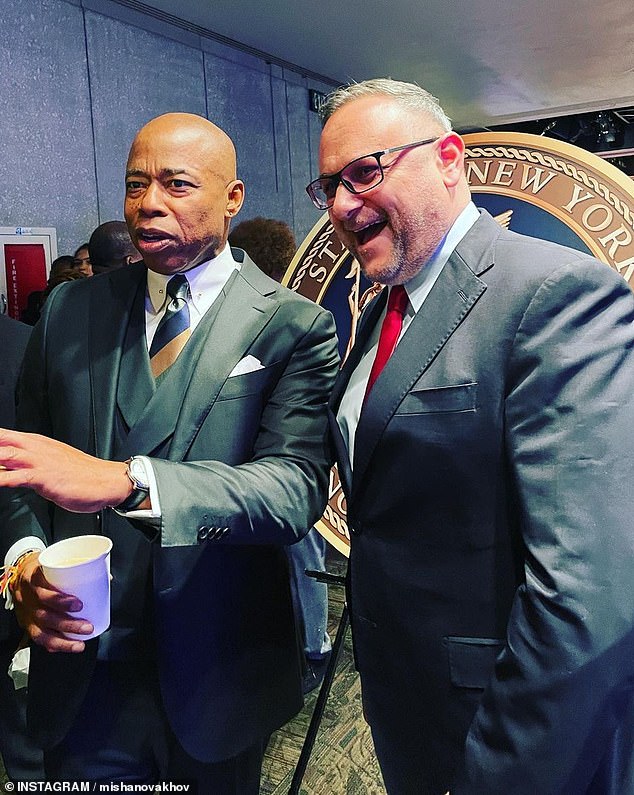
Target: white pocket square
247 365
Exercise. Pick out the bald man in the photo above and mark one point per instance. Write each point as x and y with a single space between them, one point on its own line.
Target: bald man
199 468
110 246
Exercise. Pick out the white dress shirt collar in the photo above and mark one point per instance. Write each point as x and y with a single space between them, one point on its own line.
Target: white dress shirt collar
205 282
420 286
417 289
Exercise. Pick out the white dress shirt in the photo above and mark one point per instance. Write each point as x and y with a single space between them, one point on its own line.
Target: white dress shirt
417 290
205 283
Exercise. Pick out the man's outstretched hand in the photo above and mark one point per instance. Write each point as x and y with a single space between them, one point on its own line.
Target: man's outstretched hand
68 477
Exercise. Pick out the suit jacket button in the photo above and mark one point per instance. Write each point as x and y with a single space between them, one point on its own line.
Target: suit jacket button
203 533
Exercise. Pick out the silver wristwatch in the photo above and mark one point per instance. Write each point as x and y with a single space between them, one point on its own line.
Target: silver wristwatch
137 473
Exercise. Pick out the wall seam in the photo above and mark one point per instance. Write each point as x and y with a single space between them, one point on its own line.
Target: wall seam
92 116
274 134
205 84
205 33
290 155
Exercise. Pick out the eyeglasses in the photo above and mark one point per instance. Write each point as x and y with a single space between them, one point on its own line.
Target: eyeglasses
359 176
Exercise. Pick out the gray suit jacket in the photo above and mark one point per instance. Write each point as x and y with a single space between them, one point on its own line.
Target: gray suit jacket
241 464
13 339
491 583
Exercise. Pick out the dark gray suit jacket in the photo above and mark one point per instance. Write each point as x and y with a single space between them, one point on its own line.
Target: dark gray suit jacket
491 578
22 760
13 339
241 464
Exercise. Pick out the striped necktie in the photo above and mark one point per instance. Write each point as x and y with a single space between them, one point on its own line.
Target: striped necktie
173 331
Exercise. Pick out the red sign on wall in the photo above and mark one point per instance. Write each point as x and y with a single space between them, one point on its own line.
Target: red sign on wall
25 266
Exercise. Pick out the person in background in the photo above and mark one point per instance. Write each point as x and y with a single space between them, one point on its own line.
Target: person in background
22 759
483 428
110 246
60 264
82 259
178 406
59 276
271 245
63 269
31 312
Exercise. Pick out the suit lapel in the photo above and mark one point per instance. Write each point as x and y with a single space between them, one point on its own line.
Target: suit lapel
135 385
192 385
369 319
110 311
230 343
450 300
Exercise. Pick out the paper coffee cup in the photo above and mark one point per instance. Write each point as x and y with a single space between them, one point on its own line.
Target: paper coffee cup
81 566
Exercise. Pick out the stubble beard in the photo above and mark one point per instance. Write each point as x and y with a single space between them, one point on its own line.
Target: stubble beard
408 256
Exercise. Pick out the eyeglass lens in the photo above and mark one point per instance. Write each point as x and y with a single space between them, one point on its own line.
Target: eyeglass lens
358 176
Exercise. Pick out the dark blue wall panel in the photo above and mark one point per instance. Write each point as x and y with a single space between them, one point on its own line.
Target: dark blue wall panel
134 76
303 157
79 77
239 99
48 171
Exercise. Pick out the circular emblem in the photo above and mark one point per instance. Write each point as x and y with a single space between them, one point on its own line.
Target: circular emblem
556 191
531 184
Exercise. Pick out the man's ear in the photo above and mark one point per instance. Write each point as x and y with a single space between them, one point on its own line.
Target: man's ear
235 197
451 152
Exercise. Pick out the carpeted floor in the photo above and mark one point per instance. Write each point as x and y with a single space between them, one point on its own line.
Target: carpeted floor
342 761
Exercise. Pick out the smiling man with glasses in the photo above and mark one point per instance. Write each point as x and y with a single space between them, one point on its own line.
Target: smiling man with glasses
482 425
359 176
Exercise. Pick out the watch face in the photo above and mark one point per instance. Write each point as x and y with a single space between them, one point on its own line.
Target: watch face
138 473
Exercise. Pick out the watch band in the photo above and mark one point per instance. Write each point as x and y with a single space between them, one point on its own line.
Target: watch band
132 501
140 489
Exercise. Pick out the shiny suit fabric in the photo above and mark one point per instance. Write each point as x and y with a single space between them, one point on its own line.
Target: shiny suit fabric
490 508
22 760
246 454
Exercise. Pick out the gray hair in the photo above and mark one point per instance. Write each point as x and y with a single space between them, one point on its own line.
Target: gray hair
408 95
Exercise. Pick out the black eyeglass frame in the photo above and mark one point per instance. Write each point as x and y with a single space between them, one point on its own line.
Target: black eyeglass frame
338 179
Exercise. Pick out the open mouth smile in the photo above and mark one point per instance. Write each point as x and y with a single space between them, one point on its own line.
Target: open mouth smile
369 232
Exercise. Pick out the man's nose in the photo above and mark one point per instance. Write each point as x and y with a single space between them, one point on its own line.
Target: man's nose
152 201
345 202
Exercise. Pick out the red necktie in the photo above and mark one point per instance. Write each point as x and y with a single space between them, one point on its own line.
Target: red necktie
390 330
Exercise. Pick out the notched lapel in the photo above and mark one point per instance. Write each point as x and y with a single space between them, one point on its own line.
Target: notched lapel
111 302
449 302
243 316
191 386
369 319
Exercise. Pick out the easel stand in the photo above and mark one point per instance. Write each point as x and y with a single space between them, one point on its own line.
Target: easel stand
324 690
